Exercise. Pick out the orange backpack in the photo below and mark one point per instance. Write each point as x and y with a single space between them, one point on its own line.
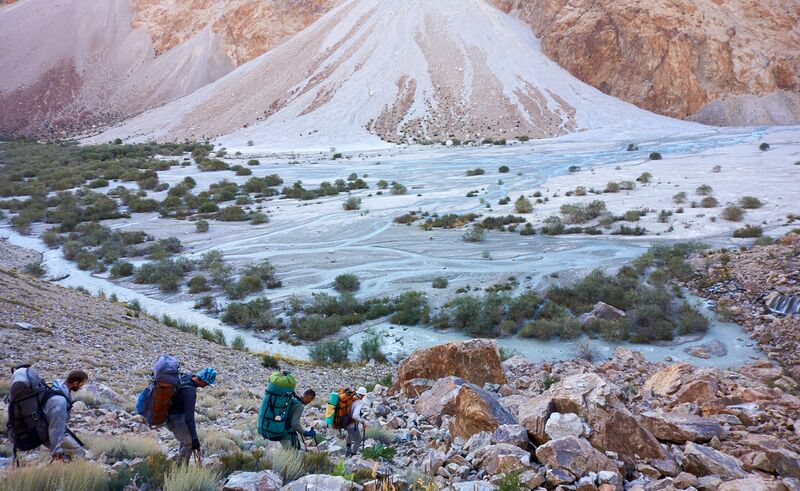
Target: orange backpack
341 409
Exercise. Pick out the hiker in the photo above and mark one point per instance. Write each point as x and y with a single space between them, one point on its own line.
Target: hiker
180 418
281 408
38 413
354 435
295 427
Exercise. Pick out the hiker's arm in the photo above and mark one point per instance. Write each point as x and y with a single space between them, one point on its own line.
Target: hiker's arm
297 411
55 409
189 401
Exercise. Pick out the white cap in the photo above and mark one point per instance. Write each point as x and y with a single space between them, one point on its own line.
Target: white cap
362 391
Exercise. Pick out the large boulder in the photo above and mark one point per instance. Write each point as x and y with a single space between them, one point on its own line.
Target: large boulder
534 415
667 381
680 428
477 410
753 483
515 435
620 433
322 482
601 312
253 481
439 400
476 360
575 455
502 457
569 424
704 461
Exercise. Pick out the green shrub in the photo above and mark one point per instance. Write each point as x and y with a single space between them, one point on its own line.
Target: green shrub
123 447
352 204
439 282
201 226
258 218
255 314
121 268
411 309
315 327
231 214
503 169
190 478
611 187
371 348
732 213
475 234
573 168
476 172
331 352
764 147
238 343
764 240
704 190
691 320
561 327
523 205
269 361
378 452
747 232
750 202
215 336
709 202
626 230
398 188
346 283
679 198
655 156
552 226
35 269
645 178
583 212
75 476
198 284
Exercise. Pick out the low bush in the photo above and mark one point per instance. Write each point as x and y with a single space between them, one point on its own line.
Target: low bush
476 172
315 327
74 476
258 218
645 178
704 190
198 284
269 361
552 226
475 234
352 204
655 156
523 205
201 226
332 352
709 202
626 230
411 309
35 269
238 343
583 212
732 213
398 188
255 314
439 282
750 202
123 447
346 283
371 348
611 187
764 147
747 232
679 198
378 452
190 478
503 169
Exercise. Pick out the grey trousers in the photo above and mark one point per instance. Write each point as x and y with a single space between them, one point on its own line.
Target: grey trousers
71 447
177 425
353 438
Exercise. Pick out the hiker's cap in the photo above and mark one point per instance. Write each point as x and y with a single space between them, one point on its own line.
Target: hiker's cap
208 375
362 391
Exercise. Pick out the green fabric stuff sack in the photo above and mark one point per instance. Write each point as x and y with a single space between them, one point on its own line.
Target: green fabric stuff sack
273 417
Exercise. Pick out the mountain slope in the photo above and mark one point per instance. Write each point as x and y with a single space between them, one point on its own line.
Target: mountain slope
678 57
396 71
69 65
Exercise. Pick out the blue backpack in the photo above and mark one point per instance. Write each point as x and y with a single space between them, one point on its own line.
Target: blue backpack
155 399
279 397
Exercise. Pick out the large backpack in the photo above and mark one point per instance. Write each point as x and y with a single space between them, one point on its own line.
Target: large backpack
154 401
337 412
279 397
28 393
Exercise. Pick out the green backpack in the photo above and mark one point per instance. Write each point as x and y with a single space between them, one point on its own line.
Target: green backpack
273 417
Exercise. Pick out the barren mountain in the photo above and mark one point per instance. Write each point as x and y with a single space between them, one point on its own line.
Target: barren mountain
394 70
707 60
70 64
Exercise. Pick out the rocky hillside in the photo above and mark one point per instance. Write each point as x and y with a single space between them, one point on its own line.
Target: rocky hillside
703 59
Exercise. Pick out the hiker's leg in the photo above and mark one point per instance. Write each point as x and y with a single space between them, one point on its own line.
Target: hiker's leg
72 448
353 439
177 425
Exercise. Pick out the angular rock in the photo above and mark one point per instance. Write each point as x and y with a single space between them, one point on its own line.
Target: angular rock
534 415
601 312
478 441
628 358
477 410
785 462
622 434
667 381
500 458
752 484
321 482
678 428
473 486
575 455
697 391
518 366
570 424
253 481
515 434
557 476
476 361
433 461
439 399
703 461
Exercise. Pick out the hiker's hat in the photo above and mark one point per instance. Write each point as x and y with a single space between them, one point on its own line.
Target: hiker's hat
362 391
208 375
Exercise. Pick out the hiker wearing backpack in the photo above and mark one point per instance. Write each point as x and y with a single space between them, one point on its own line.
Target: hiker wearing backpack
295 427
281 409
38 413
357 425
180 417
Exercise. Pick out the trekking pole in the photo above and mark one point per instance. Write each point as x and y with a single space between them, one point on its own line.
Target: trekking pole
74 437
363 435
198 457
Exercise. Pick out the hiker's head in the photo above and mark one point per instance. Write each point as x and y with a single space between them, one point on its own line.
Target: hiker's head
206 376
308 396
361 392
76 379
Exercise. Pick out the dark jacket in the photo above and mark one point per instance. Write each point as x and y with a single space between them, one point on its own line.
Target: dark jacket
184 401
